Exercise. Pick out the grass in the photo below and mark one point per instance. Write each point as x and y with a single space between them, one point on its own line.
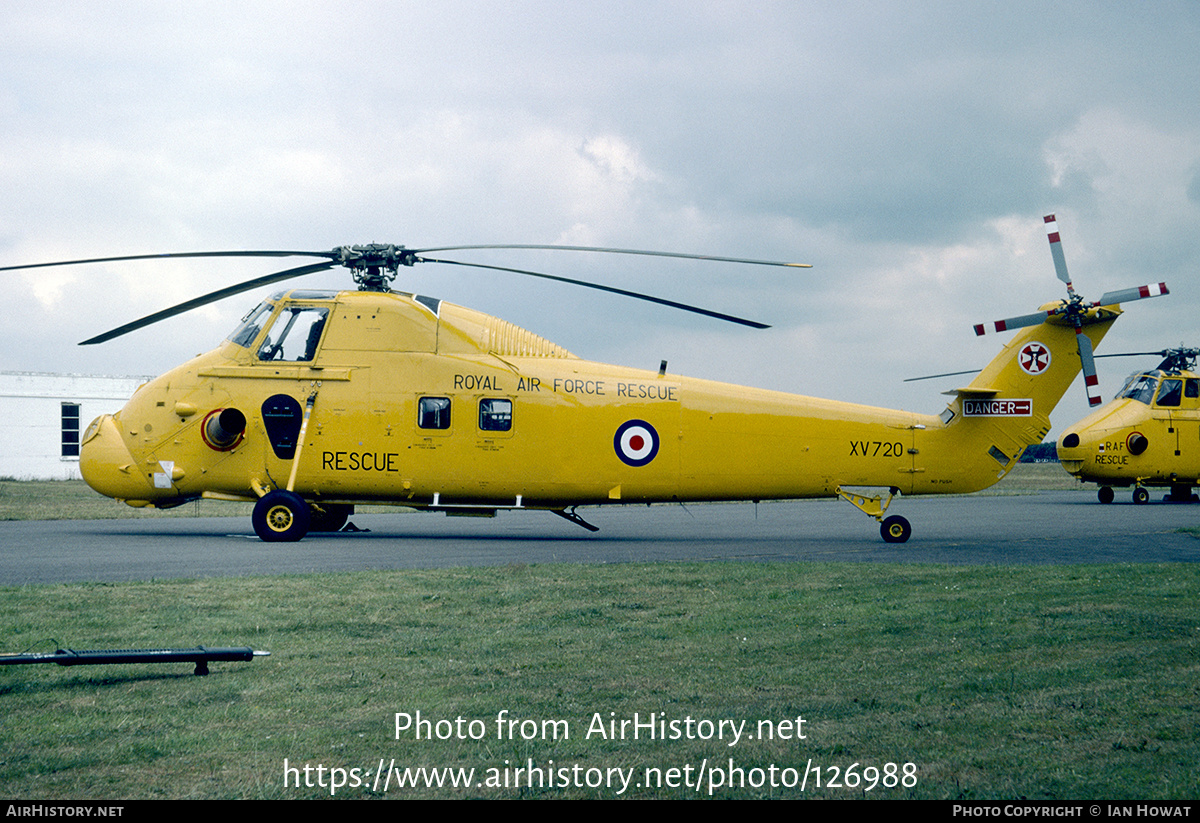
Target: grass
74 500
1075 682
1030 477
1000 682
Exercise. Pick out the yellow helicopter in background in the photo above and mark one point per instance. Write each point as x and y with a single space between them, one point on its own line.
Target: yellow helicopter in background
320 400
1148 435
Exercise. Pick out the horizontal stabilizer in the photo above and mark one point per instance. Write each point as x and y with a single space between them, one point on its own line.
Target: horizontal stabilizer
972 391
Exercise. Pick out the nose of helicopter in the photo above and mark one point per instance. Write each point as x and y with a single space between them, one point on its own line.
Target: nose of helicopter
1071 452
107 465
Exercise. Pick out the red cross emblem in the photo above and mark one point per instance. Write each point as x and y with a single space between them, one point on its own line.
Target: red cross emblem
1034 358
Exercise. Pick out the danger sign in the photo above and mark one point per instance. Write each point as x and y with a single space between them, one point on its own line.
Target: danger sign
998 408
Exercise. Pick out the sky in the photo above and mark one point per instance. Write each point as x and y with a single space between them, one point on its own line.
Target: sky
908 151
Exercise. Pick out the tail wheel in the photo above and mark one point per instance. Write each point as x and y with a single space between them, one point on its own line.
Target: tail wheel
281 517
895 529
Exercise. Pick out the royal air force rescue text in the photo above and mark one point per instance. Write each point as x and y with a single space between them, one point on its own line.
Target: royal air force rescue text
571 385
389 461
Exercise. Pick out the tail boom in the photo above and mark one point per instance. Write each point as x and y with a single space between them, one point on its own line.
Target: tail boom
1006 408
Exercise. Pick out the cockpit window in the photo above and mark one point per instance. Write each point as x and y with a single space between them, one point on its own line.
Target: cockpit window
295 334
251 324
1170 393
1140 388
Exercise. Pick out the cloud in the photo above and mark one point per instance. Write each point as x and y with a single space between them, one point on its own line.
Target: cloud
908 151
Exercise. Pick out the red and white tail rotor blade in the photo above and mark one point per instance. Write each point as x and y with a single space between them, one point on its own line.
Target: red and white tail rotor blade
1129 295
1091 383
1060 262
1014 322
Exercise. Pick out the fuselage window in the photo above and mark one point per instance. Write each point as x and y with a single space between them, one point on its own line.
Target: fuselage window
1170 393
433 413
495 415
294 335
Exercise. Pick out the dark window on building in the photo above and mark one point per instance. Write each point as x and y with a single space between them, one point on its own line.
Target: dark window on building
70 429
433 412
495 415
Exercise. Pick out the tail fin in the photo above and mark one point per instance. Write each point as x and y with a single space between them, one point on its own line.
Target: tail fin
1007 406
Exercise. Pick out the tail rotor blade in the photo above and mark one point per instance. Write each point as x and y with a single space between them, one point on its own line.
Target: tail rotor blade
1128 295
1014 322
1091 384
1060 262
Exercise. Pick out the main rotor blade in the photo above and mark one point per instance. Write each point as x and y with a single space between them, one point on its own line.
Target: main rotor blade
333 254
612 289
935 376
1091 384
211 297
623 251
1060 262
1134 354
1128 295
338 257
172 255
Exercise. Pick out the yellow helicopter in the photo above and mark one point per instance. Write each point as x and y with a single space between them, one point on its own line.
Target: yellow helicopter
1148 435
319 401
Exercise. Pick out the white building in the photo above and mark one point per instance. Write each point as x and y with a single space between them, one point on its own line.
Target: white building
42 417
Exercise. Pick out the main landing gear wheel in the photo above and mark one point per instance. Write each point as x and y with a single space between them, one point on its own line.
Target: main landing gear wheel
280 517
895 529
1140 495
1105 494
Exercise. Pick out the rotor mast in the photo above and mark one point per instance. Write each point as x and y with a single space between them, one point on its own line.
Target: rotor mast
374 265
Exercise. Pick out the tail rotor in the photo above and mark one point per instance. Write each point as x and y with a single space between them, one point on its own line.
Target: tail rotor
1076 310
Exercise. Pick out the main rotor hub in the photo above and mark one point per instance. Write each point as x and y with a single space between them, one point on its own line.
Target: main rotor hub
1177 360
373 266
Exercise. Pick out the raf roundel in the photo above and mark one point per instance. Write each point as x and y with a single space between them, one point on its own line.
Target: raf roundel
1034 358
636 442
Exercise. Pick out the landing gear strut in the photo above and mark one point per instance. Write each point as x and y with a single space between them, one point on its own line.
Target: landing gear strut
576 519
894 529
